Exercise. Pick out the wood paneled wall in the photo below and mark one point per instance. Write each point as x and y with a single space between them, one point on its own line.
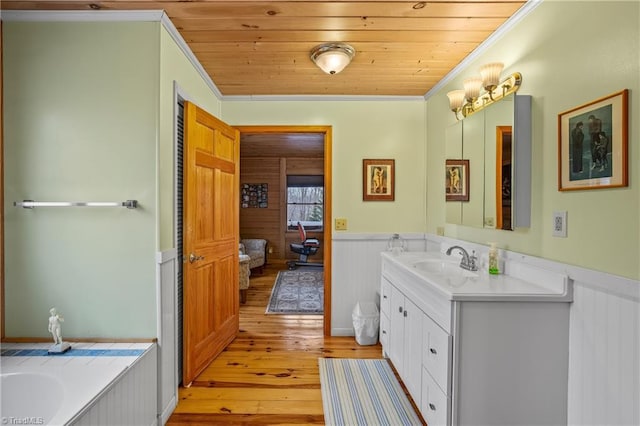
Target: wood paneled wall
270 223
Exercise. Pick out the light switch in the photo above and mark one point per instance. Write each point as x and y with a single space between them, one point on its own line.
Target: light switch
341 224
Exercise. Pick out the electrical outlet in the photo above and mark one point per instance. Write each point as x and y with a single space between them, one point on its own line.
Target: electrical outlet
489 222
560 224
341 224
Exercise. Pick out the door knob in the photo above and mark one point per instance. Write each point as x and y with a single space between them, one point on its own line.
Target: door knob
194 258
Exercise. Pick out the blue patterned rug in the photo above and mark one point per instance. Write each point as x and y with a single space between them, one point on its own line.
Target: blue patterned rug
300 291
363 392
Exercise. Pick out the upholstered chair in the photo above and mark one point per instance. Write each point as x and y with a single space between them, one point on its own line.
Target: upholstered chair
256 249
244 272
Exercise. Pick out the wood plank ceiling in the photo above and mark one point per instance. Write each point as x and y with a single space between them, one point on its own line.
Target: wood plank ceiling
262 47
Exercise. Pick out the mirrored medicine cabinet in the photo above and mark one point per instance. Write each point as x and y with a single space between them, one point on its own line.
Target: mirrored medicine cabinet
497 142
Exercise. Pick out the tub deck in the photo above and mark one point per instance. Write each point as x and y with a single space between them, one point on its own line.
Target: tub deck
85 372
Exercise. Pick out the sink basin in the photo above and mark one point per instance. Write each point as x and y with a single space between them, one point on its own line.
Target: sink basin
444 268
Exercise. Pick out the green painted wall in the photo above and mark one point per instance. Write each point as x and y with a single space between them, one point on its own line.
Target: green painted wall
88 115
569 53
89 124
175 67
80 122
361 129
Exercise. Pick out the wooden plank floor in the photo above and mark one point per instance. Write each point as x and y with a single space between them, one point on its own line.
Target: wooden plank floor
269 373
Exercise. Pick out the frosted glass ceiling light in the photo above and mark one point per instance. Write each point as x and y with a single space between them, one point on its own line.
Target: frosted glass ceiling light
332 57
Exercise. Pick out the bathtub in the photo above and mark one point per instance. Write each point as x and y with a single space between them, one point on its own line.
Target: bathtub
90 384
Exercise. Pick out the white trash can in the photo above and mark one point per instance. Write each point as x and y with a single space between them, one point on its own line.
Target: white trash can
366 323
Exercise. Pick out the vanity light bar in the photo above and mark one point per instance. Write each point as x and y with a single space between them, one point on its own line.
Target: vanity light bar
29 204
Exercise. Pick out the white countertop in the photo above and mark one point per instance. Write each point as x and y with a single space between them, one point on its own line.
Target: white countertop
442 272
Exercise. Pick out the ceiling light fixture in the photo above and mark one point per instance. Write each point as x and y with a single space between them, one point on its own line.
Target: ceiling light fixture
471 100
332 57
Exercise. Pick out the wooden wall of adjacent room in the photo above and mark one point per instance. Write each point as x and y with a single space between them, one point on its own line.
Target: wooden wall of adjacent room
270 223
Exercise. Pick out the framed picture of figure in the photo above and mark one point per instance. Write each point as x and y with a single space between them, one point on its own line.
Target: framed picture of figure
457 180
592 144
378 180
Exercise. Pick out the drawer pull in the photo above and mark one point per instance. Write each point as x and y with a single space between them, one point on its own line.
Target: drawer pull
384 297
432 407
384 331
405 313
400 309
433 351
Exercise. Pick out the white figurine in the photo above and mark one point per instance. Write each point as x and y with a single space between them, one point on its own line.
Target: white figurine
55 329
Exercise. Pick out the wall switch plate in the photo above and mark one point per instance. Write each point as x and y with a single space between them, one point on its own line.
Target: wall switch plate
341 224
560 224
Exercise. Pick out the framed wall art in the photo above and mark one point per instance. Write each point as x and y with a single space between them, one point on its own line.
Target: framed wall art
254 195
378 180
592 144
457 180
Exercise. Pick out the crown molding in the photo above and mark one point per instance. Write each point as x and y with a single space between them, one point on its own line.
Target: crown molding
184 47
115 16
161 16
527 8
81 15
367 98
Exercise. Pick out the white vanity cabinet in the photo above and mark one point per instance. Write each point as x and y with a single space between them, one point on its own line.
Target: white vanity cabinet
492 353
405 339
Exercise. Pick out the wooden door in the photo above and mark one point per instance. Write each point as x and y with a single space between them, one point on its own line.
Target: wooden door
210 288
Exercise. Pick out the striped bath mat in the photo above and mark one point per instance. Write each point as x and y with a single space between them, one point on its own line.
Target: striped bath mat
363 392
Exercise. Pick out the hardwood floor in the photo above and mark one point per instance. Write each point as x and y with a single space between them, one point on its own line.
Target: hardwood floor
269 373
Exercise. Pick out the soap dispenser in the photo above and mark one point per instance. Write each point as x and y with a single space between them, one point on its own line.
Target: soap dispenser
494 268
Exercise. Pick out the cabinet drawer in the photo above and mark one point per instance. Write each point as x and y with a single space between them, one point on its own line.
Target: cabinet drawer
385 296
434 404
384 331
436 355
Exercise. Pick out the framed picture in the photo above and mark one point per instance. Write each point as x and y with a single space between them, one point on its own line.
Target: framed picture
592 144
457 180
378 180
254 195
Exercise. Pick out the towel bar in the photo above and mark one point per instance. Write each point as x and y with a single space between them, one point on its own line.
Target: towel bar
29 204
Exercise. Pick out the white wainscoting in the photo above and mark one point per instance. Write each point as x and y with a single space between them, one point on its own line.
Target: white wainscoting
355 273
129 400
167 334
604 355
604 330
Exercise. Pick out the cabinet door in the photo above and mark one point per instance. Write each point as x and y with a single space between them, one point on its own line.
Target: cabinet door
396 337
384 334
434 404
436 353
385 296
412 349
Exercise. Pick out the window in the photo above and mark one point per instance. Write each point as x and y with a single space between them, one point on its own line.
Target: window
305 201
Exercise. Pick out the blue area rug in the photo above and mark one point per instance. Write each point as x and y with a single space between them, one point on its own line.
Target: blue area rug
300 291
363 392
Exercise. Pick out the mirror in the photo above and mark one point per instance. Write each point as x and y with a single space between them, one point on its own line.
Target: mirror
473 149
453 150
497 143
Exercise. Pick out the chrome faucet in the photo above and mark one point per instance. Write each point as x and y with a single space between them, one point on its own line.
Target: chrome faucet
467 262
